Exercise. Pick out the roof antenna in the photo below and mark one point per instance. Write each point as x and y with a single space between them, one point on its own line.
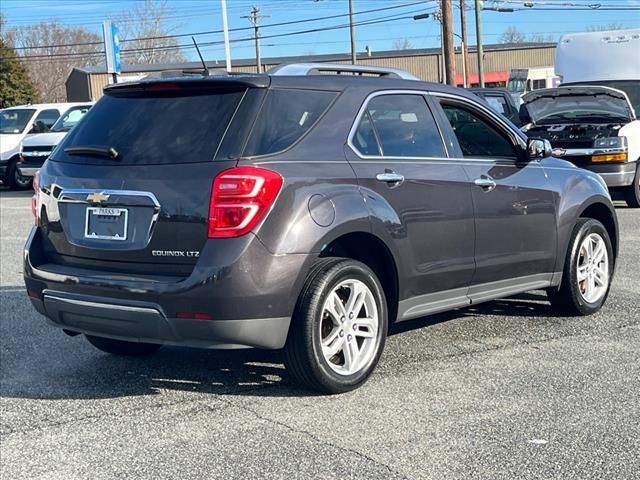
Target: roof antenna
204 65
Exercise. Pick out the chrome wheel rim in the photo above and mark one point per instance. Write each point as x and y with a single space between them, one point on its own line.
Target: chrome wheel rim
593 268
349 334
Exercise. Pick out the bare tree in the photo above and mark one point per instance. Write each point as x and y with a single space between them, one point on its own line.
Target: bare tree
50 50
512 35
146 34
609 26
541 38
401 44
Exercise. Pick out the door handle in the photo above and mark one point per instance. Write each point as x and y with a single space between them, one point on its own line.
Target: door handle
390 177
486 184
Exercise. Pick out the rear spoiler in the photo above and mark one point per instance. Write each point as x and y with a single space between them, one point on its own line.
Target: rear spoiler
190 81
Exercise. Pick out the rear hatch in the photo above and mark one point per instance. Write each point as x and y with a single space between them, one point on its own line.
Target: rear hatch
128 189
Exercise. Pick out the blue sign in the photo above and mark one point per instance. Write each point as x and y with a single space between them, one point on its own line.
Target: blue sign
111 47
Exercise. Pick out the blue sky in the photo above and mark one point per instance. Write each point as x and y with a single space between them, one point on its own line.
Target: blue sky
204 15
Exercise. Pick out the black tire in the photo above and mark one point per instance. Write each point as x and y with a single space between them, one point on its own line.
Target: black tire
303 352
632 192
122 348
568 299
16 181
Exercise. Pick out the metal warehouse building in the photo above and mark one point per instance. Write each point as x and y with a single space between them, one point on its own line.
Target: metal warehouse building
85 84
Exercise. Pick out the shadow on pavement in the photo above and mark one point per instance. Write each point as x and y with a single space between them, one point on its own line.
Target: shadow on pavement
41 362
6 192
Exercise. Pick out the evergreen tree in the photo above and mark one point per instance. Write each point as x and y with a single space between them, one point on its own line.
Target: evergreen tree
15 86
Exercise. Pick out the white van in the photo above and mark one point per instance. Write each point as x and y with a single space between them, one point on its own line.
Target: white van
524 80
16 123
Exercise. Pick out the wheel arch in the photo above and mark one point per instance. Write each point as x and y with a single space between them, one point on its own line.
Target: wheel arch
369 249
605 214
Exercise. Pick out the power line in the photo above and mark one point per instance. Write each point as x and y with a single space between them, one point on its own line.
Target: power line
237 29
79 55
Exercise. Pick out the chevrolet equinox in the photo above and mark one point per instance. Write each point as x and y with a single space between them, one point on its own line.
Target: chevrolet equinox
306 209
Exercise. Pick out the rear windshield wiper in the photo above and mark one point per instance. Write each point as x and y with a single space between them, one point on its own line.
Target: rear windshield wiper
108 152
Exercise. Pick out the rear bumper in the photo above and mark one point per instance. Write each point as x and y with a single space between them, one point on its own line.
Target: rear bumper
27 171
29 166
147 322
248 294
4 165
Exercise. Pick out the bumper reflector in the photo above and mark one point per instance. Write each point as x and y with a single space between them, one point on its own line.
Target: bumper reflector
610 157
193 316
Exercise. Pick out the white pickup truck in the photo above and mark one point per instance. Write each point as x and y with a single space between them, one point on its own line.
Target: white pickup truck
591 119
36 149
17 123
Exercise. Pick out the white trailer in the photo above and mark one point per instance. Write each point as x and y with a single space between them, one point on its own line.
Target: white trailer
598 56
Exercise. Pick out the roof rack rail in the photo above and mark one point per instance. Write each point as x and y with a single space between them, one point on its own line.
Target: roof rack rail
338 68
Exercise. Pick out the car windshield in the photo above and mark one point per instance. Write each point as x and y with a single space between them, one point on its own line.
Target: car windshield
15 120
72 116
571 108
515 85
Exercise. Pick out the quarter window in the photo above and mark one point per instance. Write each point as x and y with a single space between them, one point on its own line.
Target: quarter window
285 117
398 125
476 137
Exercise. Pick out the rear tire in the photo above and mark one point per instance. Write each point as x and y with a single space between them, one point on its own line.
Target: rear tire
122 348
588 270
632 192
15 180
338 328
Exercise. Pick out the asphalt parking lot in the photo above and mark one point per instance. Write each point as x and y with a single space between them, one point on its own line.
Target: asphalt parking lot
505 390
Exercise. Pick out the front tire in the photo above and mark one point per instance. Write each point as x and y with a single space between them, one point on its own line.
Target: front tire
15 180
339 327
588 270
122 348
632 192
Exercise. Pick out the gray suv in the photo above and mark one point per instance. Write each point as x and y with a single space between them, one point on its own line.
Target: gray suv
306 211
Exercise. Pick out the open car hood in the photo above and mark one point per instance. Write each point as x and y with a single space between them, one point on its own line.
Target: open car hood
606 101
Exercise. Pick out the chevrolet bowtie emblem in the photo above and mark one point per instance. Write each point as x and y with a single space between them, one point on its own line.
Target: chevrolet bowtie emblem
97 197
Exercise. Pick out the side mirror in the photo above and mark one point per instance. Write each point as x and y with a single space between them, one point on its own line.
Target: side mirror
38 127
538 148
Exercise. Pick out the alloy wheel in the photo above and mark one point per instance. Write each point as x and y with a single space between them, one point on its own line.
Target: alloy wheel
593 268
349 332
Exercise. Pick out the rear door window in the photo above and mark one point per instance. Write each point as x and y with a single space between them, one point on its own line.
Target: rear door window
163 127
403 125
285 117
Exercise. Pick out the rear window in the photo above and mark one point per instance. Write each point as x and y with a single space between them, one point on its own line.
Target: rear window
285 117
155 127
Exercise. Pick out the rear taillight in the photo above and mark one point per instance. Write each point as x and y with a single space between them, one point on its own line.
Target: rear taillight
35 198
240 198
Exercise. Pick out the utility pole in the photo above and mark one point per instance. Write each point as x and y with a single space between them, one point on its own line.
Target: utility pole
447 33
255 18
465 50
352 32
225 29
479 42
437 16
